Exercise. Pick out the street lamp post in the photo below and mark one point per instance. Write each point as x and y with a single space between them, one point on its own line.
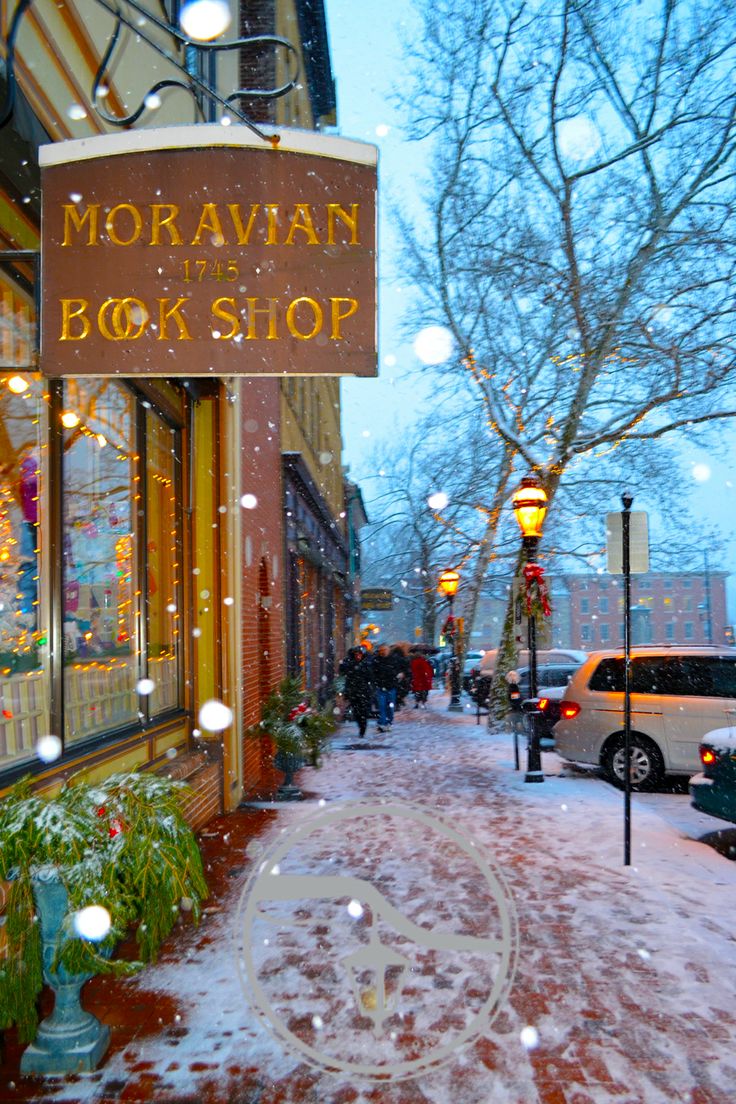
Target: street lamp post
530 507
448 583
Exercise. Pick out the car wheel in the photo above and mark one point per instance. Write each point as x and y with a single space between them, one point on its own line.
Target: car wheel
647 764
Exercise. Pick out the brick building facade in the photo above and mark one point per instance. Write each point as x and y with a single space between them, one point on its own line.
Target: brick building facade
195 585
588 610
681 608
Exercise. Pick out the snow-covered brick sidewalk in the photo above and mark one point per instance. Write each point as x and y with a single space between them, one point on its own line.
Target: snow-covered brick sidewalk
624 987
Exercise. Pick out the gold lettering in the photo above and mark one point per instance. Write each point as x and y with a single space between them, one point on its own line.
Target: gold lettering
270 310
158 223
335 211
243 232
291 320
337 317
72 219
130 311
165 313
218 310
302 220
272 210
67 314
137 224
209 220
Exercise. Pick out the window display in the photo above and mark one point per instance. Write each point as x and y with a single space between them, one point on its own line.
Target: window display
24 698
99 490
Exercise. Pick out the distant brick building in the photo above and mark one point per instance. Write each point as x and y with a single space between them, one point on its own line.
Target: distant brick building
588 610
673 607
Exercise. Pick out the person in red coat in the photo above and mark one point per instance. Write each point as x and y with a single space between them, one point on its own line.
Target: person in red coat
421 679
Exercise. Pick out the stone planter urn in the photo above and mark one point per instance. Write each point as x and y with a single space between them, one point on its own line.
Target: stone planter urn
70 1040
289 762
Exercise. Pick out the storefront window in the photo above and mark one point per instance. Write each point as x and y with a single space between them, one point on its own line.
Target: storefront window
163 574
100 497
115 580
18 343
24 697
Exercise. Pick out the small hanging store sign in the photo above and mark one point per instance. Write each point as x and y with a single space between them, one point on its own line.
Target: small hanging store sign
376 598
206 251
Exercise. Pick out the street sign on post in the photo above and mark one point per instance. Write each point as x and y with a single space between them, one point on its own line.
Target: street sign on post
638 542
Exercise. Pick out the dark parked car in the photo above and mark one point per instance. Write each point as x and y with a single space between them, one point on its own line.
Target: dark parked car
550 711
714 790
548 675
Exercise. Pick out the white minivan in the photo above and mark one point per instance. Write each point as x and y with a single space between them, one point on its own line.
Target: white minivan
678 694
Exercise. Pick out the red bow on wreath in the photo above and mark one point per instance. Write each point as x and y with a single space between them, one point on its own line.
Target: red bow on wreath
449 628
534 575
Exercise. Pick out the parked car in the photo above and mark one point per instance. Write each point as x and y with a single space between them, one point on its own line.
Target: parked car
470 664
678 694
553 669
550 712
714 789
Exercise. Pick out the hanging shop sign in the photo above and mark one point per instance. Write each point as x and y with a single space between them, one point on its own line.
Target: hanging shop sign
205 251
376 598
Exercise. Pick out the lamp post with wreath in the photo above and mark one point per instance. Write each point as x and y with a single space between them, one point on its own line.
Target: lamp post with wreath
530 506
447 584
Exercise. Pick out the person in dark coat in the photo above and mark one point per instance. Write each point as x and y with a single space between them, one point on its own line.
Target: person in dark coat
359 689
421 679
403 673
385 677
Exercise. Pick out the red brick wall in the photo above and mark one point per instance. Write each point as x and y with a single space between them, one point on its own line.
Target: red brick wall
206 800
262 560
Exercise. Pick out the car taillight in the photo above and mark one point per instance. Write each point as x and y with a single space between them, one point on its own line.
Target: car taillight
708 756
569 709
543 703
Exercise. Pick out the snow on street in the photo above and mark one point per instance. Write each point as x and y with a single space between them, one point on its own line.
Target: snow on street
624 987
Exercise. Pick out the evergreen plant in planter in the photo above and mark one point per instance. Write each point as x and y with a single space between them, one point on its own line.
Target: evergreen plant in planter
120 848
298 729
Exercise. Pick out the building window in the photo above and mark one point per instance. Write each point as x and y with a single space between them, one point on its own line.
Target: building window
688 630
687 583
585 634
667 584
687 604
107 576
605 633
100 539
24 685
670 630
163 545
603 605
585 605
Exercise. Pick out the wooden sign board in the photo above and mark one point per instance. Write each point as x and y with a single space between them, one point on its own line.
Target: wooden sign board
204 250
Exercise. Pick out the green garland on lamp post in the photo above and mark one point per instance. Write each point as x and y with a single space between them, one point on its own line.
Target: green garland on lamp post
530 507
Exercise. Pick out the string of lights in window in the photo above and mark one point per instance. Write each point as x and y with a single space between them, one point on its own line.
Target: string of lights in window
201 22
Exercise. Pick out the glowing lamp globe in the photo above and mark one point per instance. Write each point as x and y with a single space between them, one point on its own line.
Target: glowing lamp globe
204 20
448 583
530 506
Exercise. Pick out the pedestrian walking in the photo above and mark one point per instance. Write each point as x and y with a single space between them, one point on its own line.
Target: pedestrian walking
421 679
403 673
359 689
385 677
